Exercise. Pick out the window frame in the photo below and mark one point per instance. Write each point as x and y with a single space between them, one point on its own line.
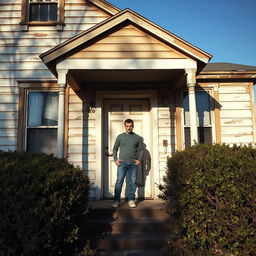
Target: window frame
36 86
25 16
210 90
26 126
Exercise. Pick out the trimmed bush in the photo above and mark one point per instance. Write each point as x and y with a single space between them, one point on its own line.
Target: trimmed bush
42 201
212 195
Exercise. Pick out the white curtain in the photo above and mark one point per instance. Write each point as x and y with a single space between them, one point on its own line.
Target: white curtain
202 109
50 109
43 109
35 108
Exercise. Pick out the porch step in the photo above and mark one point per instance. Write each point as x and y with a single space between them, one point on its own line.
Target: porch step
134 253
128 231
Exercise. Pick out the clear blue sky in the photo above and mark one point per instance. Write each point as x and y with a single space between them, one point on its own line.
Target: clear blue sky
225 29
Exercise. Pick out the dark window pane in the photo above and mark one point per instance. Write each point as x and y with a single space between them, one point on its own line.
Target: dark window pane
42 140
205 135
43 12
34 12
53 12
187 137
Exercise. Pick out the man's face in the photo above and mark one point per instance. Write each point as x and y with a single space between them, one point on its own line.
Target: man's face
128 127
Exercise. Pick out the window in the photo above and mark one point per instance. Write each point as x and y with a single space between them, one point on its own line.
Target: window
43 10
204 120
41 122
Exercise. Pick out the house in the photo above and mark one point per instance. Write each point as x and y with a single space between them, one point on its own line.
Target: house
71 71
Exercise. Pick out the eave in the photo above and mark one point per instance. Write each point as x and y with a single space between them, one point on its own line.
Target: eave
227 76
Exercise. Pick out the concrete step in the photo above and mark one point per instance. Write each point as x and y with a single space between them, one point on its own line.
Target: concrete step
127 231
133 241
122 225
147 208
134 253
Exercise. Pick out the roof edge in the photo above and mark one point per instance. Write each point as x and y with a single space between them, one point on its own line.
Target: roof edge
105 6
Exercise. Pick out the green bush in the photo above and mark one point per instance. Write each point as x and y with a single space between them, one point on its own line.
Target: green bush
212 195
42 200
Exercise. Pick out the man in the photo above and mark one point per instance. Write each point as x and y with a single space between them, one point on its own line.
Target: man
130 157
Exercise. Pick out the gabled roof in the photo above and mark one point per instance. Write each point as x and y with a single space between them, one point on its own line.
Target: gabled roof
105 6
131 17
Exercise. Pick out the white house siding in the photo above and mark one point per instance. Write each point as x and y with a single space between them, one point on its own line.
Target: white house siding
20 50
81 134
236 113
166 129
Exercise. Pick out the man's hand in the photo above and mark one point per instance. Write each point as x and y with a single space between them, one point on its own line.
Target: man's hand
117 162
137 162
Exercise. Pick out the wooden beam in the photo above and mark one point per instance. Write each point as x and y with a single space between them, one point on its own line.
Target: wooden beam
21 119
178 119
72 82
252 108
217 114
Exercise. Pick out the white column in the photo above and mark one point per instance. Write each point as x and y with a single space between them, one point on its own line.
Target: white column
61 113
191 82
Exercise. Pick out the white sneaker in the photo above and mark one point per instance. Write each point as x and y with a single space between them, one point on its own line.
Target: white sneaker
132 204
115 204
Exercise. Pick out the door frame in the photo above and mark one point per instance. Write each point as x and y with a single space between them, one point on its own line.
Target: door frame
150 95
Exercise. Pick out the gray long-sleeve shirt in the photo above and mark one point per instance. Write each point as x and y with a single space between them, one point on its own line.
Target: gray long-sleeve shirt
130 147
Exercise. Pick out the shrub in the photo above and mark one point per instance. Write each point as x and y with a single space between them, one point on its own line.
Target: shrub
42 200
212 195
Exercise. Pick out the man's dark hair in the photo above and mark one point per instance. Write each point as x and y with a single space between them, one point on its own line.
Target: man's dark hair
129 121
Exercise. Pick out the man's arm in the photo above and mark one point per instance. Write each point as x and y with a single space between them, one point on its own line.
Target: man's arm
115 148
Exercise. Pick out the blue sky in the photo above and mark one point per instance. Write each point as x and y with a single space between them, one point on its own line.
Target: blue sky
225 29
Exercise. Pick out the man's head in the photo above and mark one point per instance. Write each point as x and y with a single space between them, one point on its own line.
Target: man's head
128 125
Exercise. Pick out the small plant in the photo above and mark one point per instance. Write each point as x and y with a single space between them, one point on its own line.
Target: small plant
212 195
42 202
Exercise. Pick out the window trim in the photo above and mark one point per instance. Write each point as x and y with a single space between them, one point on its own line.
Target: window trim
25 16
33 86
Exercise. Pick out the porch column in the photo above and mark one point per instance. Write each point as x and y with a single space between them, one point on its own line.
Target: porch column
61 113
191 82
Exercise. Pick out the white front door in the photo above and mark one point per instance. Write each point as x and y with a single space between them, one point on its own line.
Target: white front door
115 112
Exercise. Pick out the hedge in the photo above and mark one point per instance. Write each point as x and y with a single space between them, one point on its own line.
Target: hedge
212 194
42 200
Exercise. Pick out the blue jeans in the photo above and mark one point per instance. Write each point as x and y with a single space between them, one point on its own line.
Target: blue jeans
130 169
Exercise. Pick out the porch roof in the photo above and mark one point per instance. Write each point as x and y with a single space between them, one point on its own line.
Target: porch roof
228 71
58 53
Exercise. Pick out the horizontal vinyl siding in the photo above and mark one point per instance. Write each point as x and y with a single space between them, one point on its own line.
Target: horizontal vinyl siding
130 43
19 59
166 131
81 135
235 114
